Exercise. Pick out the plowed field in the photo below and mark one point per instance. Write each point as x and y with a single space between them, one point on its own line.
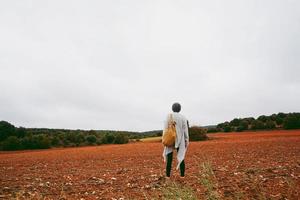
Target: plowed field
251 165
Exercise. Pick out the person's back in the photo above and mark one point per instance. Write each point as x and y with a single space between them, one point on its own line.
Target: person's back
181 142
181 126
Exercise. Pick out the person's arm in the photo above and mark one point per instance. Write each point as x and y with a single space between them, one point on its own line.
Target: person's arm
186 132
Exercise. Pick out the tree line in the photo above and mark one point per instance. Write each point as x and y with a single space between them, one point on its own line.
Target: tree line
263 122
19 138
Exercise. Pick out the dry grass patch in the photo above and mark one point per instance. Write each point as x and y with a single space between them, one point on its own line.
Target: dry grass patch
208 181
176 191
151 139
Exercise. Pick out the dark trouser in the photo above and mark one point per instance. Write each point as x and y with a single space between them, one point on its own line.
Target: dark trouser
169 165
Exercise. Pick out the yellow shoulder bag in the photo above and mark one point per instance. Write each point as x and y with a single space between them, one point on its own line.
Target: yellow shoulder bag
169 134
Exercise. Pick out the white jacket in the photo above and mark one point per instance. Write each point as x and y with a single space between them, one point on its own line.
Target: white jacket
182 137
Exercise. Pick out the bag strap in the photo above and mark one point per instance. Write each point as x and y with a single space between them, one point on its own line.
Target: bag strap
171 120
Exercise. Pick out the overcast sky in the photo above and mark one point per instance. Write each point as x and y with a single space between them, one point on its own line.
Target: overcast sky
121 64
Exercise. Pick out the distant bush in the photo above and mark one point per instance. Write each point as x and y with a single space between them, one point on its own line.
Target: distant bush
279 121
159 134
65 141
136 136
91 139
257 125
79 138
6 130
227 128
103 140
121 139
234 122
40 141
55 141
270 124
99 141
197 133
71 137
92 132
240 129
292 121
244 124
282 115
26 142
110 138
11 143
262 118
273 117
20 132
249 119
221 125
213 130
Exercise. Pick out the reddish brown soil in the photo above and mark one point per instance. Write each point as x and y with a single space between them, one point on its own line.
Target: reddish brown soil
251 165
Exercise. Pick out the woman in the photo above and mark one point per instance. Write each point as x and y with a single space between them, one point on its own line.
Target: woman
181 142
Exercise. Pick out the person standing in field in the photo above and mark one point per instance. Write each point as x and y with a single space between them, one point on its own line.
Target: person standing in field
181 141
